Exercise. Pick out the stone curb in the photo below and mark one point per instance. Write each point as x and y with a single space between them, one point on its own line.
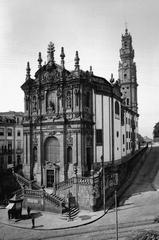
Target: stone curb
60 228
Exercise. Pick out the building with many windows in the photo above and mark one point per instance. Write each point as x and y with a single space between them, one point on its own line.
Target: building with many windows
11 139
77 119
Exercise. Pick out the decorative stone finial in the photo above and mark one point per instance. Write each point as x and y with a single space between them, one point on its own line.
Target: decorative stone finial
77 61
40 60
28 71
112 79
50 52
91 71
62 55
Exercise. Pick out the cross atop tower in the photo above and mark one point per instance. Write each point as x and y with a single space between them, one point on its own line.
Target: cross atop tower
126 28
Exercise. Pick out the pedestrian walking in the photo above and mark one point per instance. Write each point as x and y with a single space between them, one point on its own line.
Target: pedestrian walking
33 222
28 211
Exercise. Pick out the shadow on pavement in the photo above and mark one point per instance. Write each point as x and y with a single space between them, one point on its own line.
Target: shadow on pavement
26 217
39 226
85 217
145 177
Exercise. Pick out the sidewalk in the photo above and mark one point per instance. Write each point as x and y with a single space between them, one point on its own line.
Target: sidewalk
48 220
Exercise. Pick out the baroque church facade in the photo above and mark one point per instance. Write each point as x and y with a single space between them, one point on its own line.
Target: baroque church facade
74 120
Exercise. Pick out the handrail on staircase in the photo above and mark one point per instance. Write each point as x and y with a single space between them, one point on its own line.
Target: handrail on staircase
80 180
22 179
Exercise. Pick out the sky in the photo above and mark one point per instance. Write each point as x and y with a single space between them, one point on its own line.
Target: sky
94 28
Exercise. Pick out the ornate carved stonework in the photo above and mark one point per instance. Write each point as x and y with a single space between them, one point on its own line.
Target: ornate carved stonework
52 133
59 92
69 116
89 140
69 99
77 115
49 76
49 164
69 140
77 91
35 140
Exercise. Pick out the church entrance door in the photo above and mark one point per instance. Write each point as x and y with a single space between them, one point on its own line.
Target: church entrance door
50 178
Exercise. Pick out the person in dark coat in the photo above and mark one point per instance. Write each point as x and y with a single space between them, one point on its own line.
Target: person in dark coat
28 211
33 222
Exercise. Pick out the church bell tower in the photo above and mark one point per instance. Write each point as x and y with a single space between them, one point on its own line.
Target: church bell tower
127 72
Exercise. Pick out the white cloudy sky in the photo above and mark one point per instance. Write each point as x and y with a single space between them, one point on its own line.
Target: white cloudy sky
94 28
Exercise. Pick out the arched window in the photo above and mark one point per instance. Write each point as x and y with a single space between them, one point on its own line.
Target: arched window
69 154
9 132
52 150
116 108
125 76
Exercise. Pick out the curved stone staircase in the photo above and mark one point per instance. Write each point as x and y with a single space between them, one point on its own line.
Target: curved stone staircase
30 189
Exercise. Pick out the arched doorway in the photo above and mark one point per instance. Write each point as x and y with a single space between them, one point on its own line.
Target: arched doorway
52 156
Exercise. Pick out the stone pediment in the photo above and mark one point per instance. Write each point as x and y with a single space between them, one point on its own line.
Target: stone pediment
50 73
51 76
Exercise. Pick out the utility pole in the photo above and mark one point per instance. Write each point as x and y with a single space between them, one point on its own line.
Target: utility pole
75 171
40 115
116 213
102 158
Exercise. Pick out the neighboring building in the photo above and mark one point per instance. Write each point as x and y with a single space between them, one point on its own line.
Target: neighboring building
148 140
156 133
74 118
11 139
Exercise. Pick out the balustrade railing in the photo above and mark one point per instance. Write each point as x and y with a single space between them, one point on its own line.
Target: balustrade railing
42 194
53 199
74 180
18 193
84 180
23 180
33 193
65 184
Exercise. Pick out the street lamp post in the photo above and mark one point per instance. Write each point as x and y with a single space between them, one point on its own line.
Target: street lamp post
103 169
75 171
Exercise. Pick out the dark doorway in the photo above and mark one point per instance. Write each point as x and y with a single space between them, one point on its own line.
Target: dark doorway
50 178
